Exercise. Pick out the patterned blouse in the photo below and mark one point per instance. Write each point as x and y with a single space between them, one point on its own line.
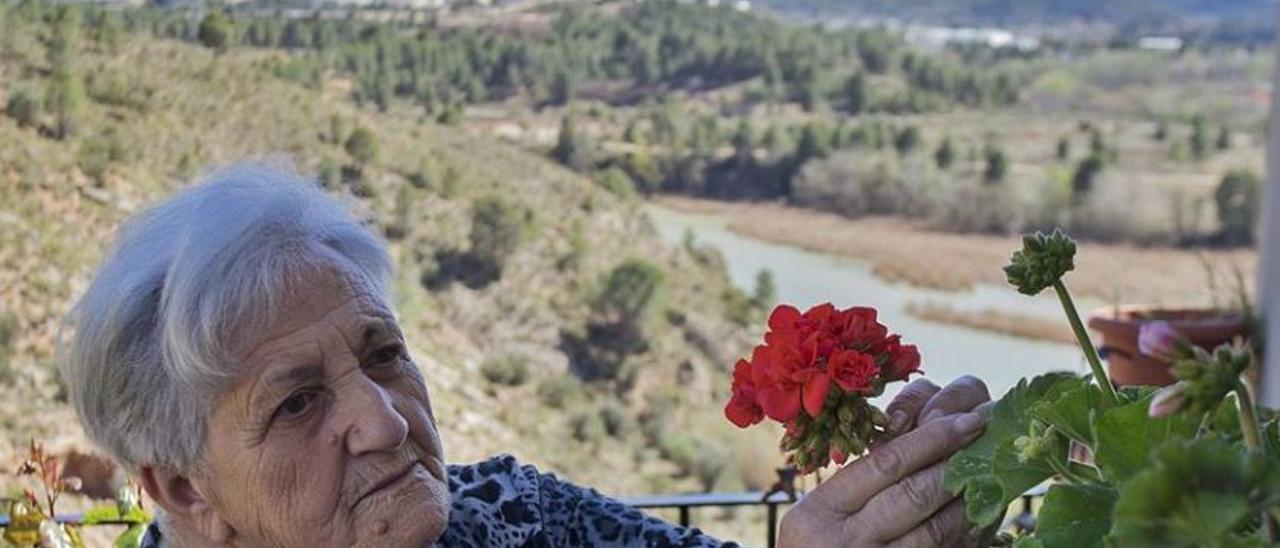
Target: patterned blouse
501 503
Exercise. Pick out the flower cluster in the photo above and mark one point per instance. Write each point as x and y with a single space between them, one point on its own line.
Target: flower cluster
1204 377
1041 262
814 374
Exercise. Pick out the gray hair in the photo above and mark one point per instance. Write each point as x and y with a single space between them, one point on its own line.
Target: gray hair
154 333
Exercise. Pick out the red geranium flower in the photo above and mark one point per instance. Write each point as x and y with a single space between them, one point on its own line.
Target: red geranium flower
820 366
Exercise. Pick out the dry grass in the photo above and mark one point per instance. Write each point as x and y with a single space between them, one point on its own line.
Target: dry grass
1017 325
902 251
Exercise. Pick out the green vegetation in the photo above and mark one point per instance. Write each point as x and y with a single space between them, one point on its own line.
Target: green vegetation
506 370
104 115
215 32
1238 198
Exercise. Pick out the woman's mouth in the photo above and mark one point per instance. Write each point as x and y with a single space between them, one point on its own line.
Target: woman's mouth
394 481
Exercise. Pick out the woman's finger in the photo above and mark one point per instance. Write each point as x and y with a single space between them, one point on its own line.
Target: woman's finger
908 404
960 396
897 510
850 489
948 527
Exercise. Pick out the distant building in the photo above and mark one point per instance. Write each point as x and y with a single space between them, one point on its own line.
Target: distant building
939 37
1160 43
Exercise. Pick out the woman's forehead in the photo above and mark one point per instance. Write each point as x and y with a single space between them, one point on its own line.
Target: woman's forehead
330 299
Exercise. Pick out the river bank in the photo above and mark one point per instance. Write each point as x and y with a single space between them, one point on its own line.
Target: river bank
901 251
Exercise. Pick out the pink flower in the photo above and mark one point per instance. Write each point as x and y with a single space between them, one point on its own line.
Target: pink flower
1168 400
1160 340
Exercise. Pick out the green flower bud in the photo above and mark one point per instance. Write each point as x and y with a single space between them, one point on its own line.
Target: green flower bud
1031 447
1043 260
1209 377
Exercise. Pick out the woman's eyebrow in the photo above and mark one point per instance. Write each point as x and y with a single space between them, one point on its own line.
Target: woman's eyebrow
282 381
372 331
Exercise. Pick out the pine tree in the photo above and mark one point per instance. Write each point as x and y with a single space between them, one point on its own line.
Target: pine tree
945 155
856 94
215 32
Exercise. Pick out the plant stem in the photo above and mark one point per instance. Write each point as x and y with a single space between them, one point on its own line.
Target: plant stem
1248 419
1252 433
1082 337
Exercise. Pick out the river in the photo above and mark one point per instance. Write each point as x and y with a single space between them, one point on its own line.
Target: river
805 278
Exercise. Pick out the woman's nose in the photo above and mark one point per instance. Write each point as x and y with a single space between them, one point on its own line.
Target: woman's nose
372 421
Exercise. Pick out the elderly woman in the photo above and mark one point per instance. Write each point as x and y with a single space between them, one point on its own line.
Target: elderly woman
238 353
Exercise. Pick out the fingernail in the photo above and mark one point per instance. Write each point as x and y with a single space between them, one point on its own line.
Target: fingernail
968 423
898 421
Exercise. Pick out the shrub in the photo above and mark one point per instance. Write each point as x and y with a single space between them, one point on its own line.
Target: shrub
25 106
506 370
615 419
66 99
329 175
852 184
1086 174
587 426
945 155
559 390
100 151
766 290
578 247
907 140
571 149
631 293
496 231
215 32
617 182
362 145
997 165
1237 198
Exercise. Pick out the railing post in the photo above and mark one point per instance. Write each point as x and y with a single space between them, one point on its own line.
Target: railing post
773 526
684 516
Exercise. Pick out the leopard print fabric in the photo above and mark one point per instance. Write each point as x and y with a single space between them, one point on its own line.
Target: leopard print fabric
502 503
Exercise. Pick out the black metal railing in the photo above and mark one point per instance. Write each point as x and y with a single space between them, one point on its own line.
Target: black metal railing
1024 521
685 503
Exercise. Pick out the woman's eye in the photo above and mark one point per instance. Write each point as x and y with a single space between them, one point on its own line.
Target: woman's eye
385 356
296 405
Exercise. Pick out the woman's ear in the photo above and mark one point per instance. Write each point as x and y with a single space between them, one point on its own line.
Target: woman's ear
189 509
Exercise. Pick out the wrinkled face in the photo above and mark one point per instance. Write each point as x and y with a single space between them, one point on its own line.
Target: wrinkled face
329 438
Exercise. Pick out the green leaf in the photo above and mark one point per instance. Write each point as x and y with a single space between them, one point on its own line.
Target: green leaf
1204 492
1028 542
984 501
1072 412
971 469
131 538
111 512
1127 434
1016 476
1075 516
100 513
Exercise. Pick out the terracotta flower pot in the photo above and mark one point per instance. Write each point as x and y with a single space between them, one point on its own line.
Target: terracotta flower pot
1119 328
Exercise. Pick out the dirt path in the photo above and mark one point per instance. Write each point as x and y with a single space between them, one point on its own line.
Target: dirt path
904 251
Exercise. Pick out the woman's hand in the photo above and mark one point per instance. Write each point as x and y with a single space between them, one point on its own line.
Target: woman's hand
893 496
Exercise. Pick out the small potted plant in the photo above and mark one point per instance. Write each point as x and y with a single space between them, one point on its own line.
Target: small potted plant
1120 328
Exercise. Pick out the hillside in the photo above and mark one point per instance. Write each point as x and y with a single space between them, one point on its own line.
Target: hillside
155 113
1123 13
